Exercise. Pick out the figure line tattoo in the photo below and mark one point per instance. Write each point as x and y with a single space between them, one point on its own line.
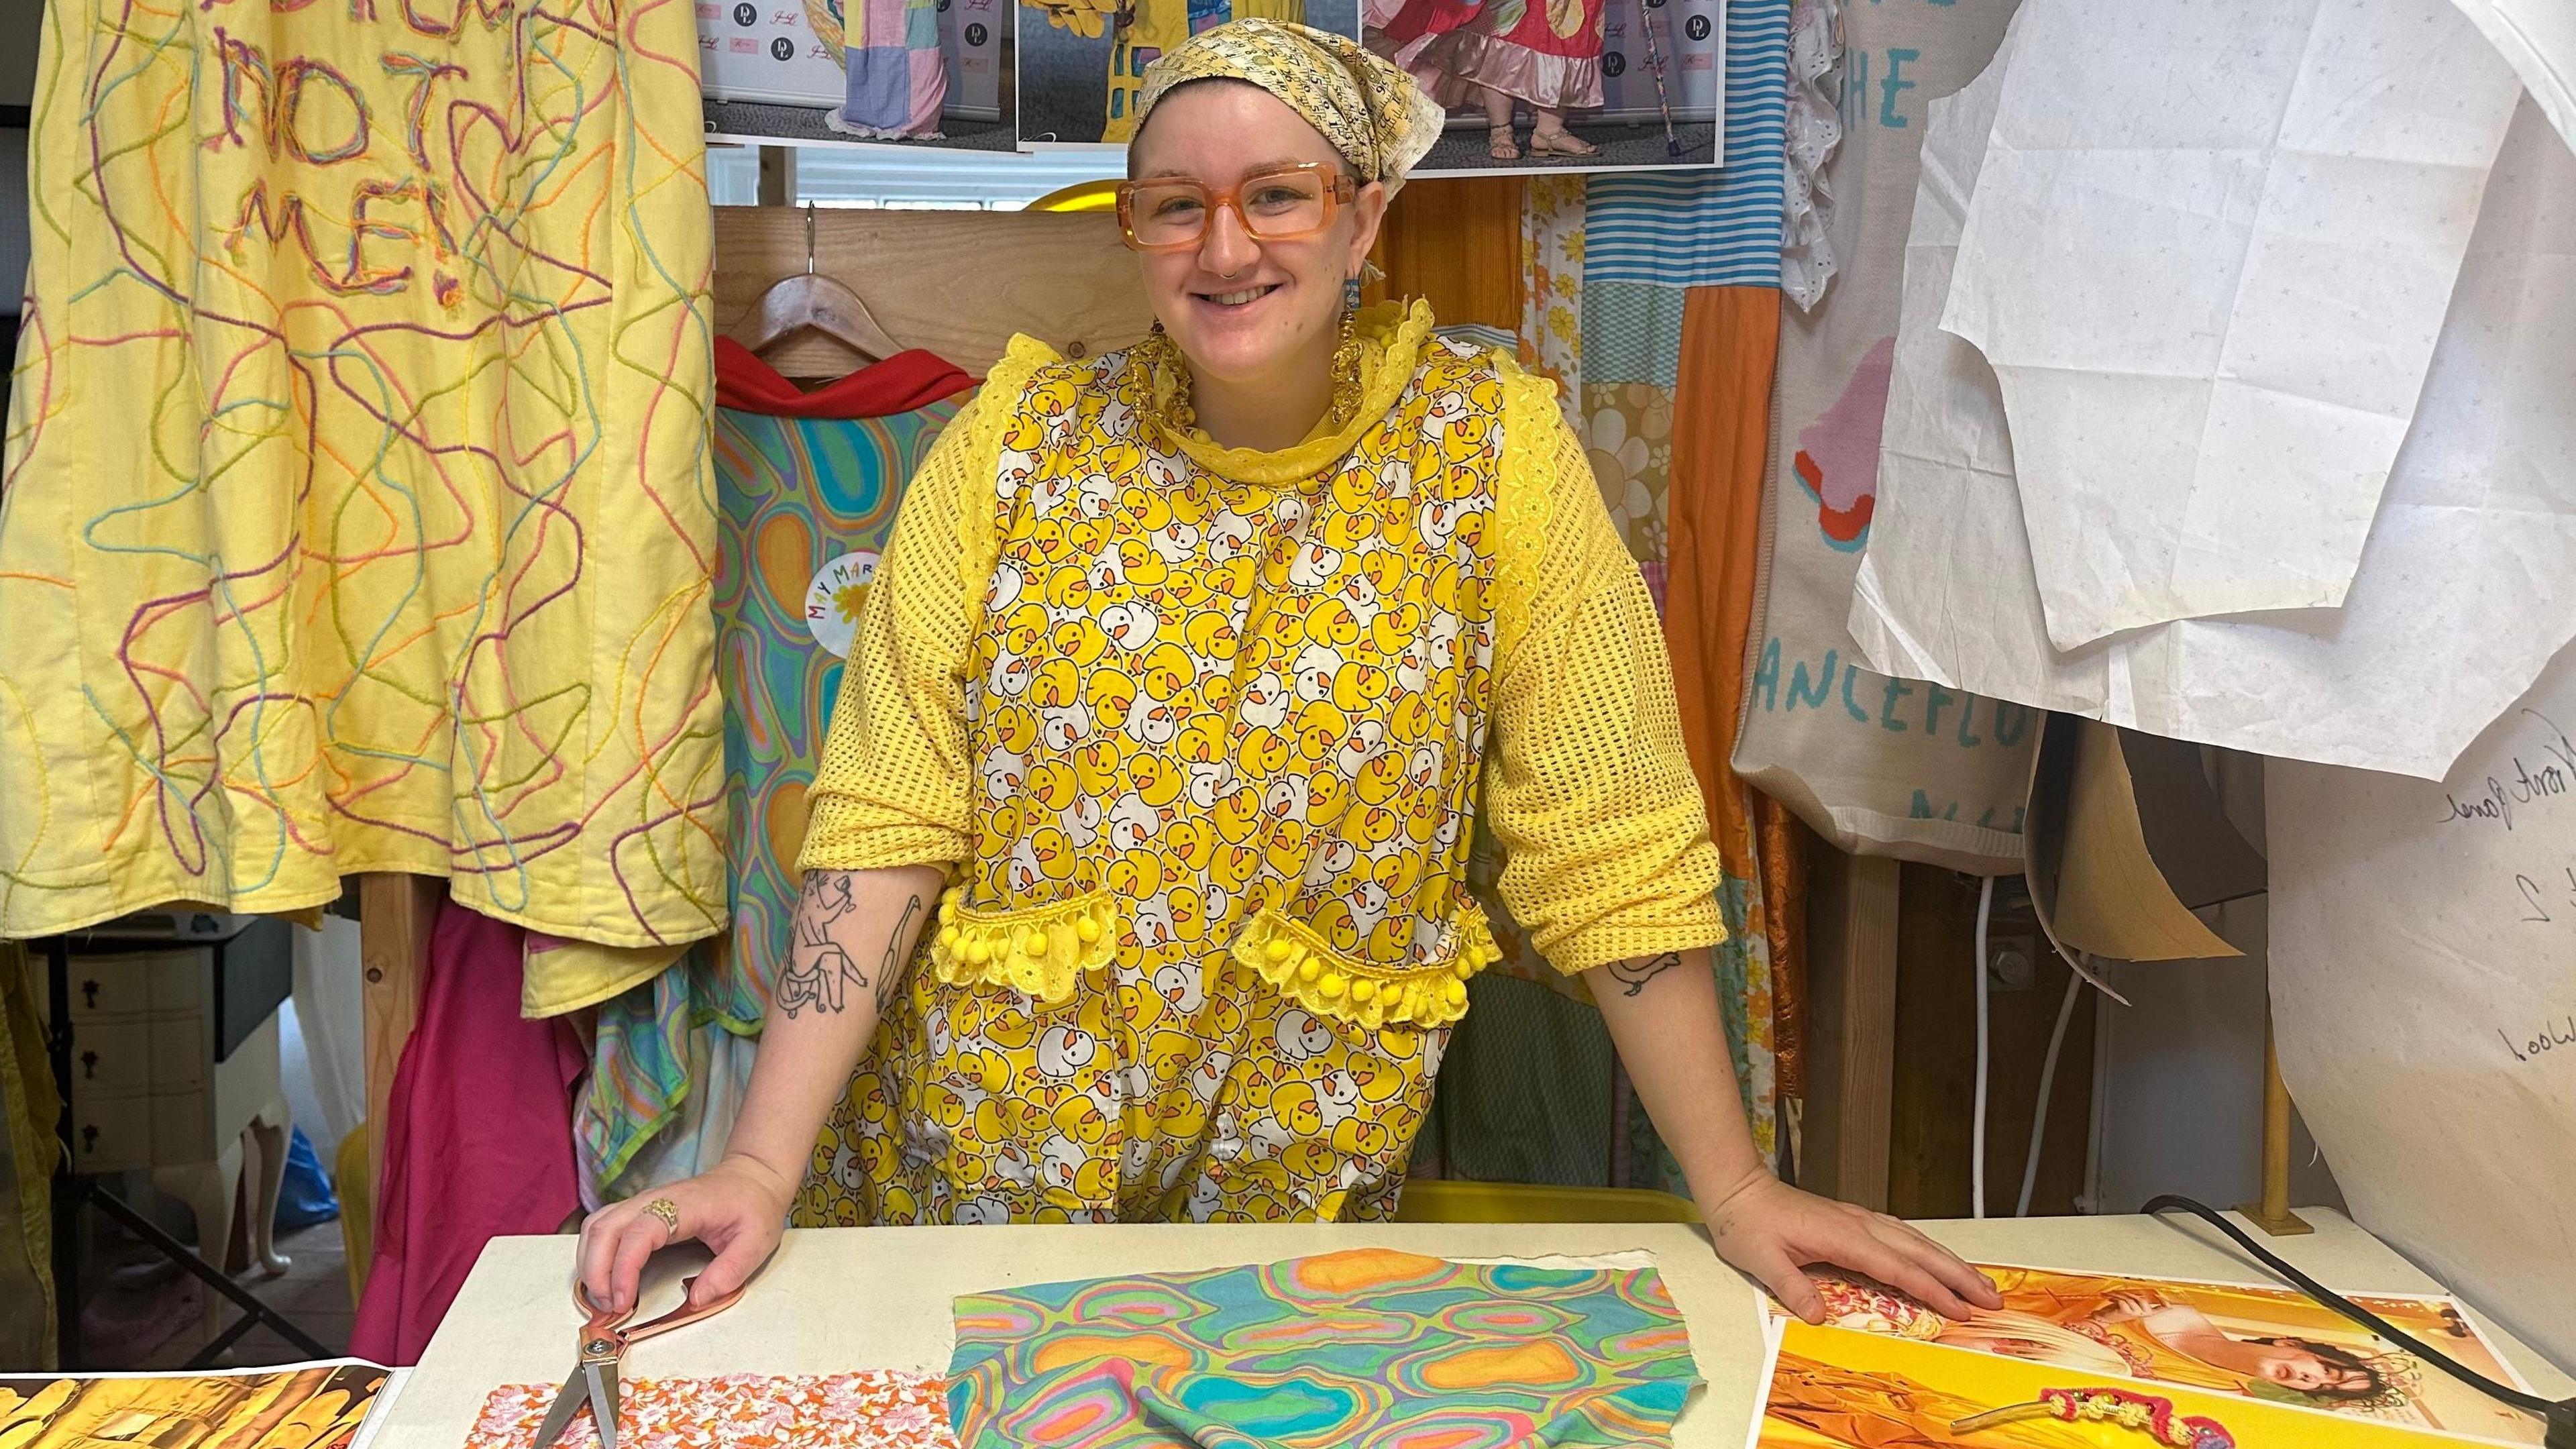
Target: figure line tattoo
819 969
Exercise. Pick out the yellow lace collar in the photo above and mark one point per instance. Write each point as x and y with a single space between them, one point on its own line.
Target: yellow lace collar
1392 336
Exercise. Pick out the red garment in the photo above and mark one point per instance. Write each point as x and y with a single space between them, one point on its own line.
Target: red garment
902 383
477 1132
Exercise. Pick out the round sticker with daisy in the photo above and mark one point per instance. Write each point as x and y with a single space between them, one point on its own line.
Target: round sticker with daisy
832 600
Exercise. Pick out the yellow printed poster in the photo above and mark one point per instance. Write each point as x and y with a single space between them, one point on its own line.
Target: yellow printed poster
314 1406
1834 1388
2269 1344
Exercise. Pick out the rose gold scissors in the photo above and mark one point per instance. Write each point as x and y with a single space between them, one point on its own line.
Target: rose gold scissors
604 1341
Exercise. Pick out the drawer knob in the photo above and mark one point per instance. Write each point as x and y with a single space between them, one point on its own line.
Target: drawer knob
89 994
89 1065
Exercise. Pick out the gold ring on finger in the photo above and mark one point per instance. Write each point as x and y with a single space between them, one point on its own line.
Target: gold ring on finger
669 1212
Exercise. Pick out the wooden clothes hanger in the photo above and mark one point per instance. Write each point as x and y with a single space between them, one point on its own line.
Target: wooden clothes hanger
808 299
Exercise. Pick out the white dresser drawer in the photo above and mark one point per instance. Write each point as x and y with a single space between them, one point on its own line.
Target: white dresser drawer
182 1130
112 1057
179 1051
180 980
111 1134
110 986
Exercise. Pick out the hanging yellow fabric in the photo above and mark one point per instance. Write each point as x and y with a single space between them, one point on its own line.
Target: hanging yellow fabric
30 1110
359 512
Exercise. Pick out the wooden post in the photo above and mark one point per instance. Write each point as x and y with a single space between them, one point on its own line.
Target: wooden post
395 913
2273 1214
1851 1026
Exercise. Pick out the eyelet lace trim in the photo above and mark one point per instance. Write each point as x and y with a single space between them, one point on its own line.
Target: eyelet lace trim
979 529
1524 499
1329 982
1038 951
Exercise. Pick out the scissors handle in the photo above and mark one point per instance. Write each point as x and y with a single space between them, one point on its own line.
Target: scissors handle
684 1315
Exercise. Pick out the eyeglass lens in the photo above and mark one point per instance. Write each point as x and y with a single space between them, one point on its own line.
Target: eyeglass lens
1274 208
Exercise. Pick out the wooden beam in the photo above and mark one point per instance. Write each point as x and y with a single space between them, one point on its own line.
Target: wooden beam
1851 1025
395 914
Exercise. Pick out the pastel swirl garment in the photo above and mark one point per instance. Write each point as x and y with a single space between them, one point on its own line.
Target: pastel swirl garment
1371 1347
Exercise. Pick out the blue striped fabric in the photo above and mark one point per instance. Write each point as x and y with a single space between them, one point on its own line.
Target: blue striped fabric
1707 229
1631 333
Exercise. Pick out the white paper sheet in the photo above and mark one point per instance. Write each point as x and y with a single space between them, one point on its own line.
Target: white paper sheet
2208 255
2424 1000
2464 592
2538 38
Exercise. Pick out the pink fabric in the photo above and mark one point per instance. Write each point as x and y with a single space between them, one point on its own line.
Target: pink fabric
478 1134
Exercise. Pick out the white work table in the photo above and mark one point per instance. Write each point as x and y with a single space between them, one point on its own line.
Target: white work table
858 1298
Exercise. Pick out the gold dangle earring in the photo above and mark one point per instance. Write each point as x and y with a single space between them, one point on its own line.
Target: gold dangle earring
1162 355
1346 358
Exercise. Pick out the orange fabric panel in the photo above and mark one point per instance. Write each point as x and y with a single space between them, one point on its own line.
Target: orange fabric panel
1721 434
1455 242
1730 339
1782 840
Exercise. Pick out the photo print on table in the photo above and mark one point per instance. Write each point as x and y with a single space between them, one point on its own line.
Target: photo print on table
929 73
2255 1341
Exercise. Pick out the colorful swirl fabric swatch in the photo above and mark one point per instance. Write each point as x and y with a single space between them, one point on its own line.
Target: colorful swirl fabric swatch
874 1409
359 514
1372 1347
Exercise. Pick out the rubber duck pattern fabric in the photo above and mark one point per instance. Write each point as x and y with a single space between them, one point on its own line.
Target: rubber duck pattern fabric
1221 719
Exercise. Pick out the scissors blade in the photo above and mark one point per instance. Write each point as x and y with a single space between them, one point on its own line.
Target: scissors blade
568 1399
603 1401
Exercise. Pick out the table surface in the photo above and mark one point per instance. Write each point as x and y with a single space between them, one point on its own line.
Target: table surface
851 1298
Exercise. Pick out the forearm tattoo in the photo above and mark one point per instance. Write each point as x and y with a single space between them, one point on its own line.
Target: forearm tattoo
819 969
890 968
1633 975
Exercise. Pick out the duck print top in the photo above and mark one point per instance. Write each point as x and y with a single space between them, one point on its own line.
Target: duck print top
1198 733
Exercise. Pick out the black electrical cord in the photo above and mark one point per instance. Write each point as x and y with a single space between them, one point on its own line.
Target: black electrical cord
2560 1417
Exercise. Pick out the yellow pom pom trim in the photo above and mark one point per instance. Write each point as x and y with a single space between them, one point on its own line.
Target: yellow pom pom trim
1301 965
1039 951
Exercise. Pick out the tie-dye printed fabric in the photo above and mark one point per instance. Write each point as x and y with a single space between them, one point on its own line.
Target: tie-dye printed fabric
1367 1347
804 505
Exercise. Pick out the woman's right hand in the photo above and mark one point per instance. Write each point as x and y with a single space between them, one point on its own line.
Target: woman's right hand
737 1207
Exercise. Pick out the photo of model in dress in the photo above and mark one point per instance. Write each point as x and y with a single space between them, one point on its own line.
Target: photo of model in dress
931 73
1561 84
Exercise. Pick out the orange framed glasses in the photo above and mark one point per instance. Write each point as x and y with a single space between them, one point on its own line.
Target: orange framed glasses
1171 213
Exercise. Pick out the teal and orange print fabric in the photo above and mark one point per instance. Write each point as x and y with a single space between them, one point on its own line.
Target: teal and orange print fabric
1368 1347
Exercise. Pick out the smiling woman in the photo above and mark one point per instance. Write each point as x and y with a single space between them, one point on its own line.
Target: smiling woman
1179 681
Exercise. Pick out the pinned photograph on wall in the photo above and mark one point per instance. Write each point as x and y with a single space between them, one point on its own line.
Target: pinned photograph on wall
2260 1342
1562 85
1082 62
933 73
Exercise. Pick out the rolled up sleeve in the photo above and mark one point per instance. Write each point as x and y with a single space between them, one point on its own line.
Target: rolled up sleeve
1589 789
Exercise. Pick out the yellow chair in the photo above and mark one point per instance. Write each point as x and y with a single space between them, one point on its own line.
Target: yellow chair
357 1207
1080 196
1438 1201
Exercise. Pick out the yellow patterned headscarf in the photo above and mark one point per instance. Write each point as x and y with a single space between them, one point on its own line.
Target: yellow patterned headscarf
1372 113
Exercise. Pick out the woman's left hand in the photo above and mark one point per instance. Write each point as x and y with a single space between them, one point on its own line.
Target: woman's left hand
1773 1231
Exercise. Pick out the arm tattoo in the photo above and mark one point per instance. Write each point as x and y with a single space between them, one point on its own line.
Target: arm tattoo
818 968
1635 974
890 969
